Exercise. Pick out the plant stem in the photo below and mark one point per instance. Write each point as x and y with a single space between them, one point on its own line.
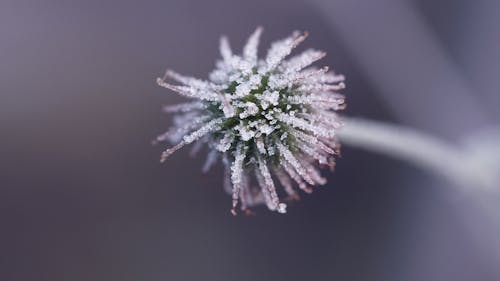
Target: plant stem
411 145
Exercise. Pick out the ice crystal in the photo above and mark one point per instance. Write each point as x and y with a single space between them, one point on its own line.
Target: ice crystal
271 118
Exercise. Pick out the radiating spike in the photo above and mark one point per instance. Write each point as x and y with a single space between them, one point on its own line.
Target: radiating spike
211 159
303 60
314 173
171 150
286 183
321 87
183 107
280 49
251 47
288 156
268 181
265 190
189 91
205 129
237 174
305 125
197 146
289 170
225 49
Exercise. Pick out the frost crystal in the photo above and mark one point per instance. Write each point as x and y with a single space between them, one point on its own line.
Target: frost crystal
269 119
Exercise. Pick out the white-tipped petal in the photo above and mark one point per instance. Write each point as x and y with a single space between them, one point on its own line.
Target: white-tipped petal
237 173
211 159
207 128
251 47
269 184
225 49
280 49
303 60
288 156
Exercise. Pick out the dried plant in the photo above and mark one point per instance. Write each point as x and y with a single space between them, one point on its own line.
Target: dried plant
271 118
275 119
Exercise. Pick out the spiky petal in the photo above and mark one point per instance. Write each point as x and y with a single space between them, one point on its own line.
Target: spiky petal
271 120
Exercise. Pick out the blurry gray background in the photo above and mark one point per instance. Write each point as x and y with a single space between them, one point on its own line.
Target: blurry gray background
82 193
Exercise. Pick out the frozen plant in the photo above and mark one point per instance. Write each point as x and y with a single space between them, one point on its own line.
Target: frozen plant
272 121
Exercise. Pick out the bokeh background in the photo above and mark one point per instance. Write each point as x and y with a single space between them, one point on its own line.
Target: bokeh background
82 193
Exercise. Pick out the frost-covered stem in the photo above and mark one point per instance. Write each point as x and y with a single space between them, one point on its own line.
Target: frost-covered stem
411 145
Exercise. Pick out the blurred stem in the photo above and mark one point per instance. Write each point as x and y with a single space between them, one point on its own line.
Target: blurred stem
410 145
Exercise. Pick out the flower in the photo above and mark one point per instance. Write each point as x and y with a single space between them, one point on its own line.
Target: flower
267 119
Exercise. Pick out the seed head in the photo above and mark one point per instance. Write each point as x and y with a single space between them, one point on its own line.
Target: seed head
267 119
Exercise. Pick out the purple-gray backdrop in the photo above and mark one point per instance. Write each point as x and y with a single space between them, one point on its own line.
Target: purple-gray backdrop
82 193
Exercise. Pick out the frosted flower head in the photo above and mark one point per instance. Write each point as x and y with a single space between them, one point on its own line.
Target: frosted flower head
272 121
